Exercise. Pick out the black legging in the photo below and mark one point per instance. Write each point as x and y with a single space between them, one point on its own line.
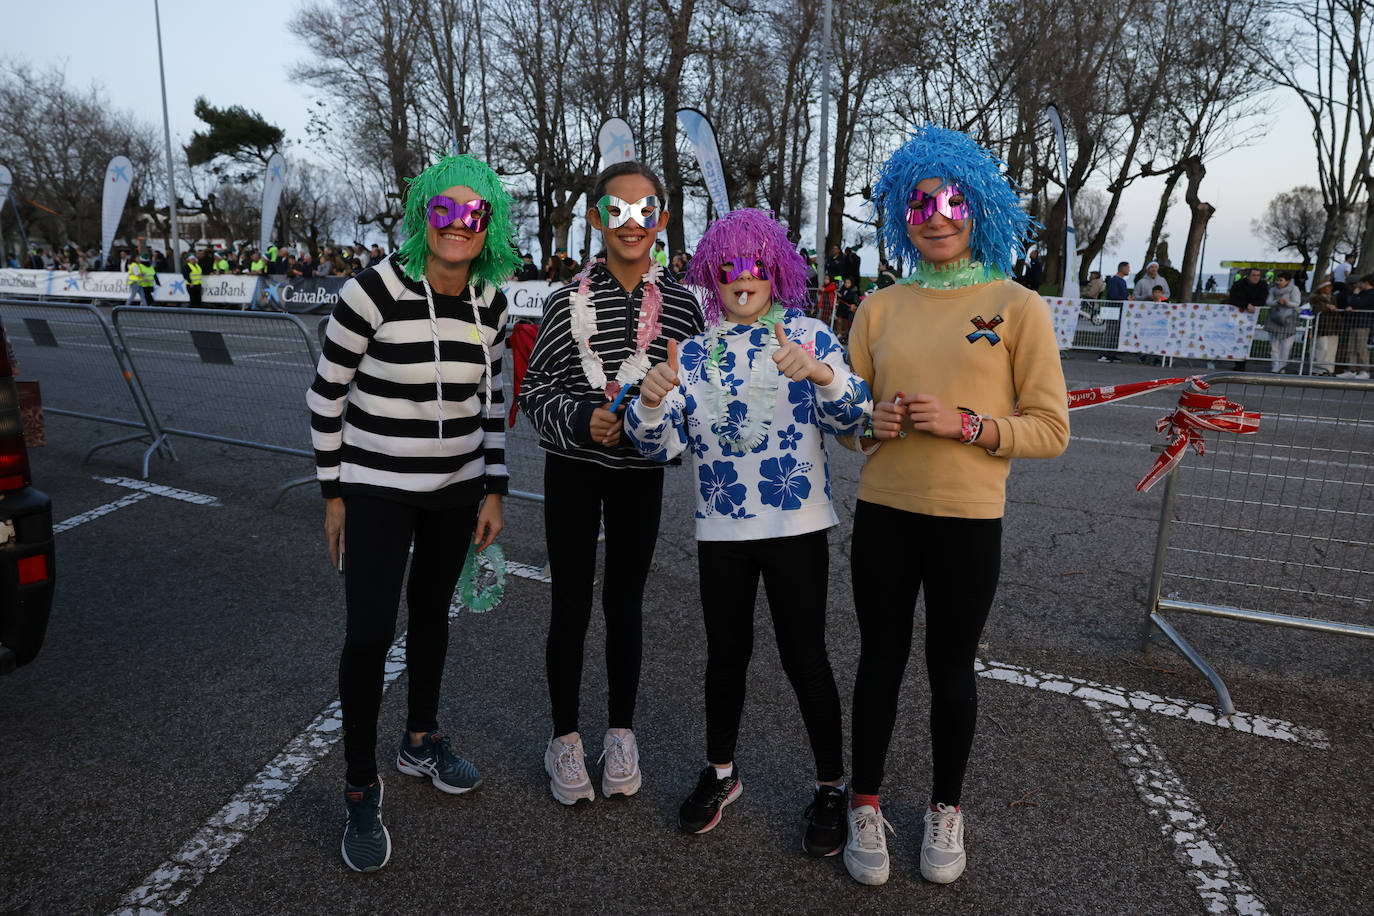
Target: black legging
575 495
958 560
795 572
377 536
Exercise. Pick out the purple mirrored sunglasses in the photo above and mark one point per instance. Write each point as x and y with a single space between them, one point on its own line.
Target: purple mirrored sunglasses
475 214
947 200
733 268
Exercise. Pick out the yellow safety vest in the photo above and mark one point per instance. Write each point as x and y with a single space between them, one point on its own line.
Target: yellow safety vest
258 265
146 275
133 273
194 270
222 266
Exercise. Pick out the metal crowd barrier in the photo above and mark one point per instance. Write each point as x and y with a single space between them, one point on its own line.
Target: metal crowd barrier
1341 343
1280 519
84 371
224 376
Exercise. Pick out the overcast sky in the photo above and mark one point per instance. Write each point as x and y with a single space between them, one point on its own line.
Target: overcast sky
239 55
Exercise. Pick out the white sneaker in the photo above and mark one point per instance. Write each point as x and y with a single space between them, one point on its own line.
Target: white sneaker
942 851
620 754
567 771
1346 374
865 854
1361 375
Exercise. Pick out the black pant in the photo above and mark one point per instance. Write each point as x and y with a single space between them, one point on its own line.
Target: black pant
958 561
575 495
147 292
194 291
795 573
377 535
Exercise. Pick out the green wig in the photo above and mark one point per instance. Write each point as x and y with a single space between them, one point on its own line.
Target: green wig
498 259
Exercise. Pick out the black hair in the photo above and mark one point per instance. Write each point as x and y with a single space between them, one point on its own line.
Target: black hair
1283 275
1124 264
1157 289
627 168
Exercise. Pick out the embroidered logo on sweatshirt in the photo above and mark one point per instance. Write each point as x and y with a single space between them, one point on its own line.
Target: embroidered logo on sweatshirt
985 329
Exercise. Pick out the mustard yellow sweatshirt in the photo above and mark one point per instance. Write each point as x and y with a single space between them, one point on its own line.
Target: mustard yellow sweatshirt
990 348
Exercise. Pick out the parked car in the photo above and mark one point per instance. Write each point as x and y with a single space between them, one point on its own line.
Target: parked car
27 567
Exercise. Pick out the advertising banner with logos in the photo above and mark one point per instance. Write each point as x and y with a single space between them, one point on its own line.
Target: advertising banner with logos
319 295
1189 330
218 291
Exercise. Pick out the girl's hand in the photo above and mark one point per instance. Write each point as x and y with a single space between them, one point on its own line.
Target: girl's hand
606 425
660 380
796 363
489 522
887 418
930 416
334 527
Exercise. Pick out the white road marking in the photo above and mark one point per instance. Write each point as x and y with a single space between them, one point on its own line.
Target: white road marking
1219 881
97 512
199 499
525 571
1139 700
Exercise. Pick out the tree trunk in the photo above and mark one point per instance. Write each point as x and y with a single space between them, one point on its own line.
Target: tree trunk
680 23
1365 264
1331 230
1157 230
1197 225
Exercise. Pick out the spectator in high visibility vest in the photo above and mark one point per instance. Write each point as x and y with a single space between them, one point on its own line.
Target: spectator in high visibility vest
221 263
257 265
147 277
135 294
193 271
271 252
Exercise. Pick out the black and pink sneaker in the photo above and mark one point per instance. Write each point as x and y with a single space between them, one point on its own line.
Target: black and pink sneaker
701 811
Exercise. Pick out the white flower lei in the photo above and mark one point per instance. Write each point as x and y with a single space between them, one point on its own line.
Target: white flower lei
583 321
760 397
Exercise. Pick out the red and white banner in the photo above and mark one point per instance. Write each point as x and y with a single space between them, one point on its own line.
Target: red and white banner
1197 412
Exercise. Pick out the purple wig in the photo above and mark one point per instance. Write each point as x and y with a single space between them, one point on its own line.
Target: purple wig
747 232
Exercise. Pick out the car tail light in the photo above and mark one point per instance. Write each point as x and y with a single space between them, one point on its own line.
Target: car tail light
33 569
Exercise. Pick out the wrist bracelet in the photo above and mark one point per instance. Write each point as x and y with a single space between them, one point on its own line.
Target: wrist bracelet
971 426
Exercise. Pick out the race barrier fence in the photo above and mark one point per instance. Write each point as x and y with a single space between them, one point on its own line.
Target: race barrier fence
1281 516
70 349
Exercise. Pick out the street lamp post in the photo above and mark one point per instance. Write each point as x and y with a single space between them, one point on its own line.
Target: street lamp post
824 157
167 136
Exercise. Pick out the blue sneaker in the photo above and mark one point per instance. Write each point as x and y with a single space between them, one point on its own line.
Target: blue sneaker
366 844
435 758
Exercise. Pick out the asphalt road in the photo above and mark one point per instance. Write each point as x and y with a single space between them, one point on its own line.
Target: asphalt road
168 746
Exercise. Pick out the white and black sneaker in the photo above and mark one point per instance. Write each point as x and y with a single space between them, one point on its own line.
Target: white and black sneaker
942 851
865 854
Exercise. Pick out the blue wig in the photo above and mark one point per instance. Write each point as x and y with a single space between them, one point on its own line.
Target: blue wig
1001 227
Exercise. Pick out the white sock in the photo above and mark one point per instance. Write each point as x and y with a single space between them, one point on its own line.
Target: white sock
724 772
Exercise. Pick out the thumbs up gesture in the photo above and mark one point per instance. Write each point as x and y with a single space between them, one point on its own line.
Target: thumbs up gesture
796 363
660 380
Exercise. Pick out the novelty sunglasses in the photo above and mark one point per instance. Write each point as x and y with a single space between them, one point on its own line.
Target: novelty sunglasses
443 211
616 212
733 268
948 200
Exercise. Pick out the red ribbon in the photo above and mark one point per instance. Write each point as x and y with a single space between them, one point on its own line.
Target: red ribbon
1197 412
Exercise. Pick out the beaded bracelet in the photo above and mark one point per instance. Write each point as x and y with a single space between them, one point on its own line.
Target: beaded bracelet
971 426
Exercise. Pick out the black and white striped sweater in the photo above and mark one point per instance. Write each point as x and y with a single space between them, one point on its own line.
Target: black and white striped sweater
555 393
380 358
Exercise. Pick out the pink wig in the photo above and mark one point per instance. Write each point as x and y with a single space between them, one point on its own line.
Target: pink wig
748 232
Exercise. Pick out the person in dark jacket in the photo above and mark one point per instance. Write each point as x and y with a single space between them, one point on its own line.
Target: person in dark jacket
1248 295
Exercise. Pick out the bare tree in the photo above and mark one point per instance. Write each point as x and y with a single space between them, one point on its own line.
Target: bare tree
1293 219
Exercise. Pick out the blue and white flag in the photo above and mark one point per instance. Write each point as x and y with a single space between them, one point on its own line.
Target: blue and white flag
703 138
272 184
119 177
617 142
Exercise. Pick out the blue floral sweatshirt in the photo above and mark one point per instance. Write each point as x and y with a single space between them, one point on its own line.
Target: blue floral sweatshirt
781 488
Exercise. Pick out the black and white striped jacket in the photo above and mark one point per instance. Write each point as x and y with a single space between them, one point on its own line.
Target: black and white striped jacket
555 393
387 360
